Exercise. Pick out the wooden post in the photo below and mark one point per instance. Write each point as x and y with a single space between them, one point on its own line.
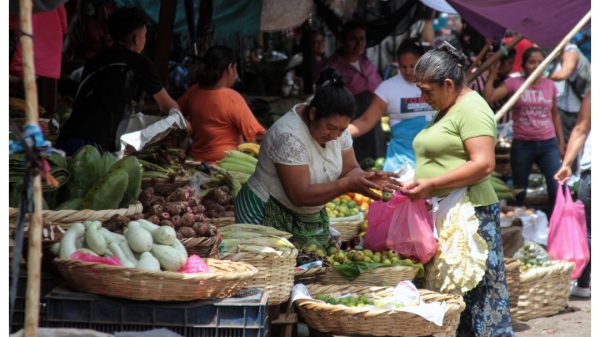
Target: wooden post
482 53
470 76
165 38
538 71
34 256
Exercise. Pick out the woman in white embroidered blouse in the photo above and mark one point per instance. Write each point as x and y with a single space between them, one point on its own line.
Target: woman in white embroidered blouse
306 160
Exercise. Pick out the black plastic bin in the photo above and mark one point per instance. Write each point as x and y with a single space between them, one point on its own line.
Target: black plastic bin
243 316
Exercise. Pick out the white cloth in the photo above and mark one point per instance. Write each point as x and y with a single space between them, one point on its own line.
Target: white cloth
290 142
585 162
566 98
403 100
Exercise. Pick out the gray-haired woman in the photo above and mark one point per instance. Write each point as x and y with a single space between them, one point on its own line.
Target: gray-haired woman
457 150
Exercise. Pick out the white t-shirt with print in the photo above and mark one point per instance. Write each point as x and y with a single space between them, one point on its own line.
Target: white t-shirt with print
403 99
290 142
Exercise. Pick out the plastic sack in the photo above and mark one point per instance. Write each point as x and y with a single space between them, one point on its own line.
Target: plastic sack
85 257
567 233
403 225
195 264
535 227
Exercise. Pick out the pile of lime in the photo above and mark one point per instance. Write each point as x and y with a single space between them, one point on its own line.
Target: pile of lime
342 207
337 257
349 301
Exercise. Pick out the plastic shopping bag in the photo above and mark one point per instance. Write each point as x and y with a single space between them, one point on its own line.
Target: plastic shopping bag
567 235
409 228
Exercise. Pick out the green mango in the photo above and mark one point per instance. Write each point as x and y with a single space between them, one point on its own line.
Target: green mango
84 168
132 166
106 162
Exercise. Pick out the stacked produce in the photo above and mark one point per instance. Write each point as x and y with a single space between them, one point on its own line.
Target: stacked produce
338 257
162 163
181 210
88 180
341 207
254 239
144 245
348 300
252 149
532 255
221 188
238 164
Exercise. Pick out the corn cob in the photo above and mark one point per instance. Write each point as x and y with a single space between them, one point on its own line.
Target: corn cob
242 156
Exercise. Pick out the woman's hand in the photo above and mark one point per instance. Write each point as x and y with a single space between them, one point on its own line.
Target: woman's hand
365 181
418 189
385 180
563 174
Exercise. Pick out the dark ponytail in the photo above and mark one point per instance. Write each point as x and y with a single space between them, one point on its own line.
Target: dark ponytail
332 97
211 66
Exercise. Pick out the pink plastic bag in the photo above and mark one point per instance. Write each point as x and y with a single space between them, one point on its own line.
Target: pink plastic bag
567 233
195 264
401 224
85 257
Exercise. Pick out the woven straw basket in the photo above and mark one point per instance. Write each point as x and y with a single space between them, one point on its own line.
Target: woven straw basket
220 222
347 226
313 275
511 267
275 273
202 246
544 290
66 217
343 320
225 278
380 277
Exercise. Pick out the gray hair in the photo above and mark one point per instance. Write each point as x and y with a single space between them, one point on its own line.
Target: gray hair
439 64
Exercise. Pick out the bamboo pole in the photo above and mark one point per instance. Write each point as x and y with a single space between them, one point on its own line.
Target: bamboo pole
482 53
470 76
515 97
35 226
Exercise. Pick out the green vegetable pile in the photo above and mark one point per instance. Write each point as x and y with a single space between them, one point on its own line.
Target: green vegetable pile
349 301
532 255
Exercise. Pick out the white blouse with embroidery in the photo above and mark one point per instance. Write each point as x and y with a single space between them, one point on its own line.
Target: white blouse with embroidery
289 142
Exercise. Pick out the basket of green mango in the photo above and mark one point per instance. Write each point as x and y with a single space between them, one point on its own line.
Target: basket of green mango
365 267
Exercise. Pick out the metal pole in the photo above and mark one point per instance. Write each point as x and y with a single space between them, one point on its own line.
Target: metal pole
515 97
35 222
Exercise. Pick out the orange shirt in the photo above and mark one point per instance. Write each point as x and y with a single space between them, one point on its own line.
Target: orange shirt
220 121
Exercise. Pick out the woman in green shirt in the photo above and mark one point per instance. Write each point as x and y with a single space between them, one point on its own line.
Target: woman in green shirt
457 150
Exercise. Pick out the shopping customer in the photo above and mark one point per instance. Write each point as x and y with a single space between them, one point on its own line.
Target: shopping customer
537 131
581 138
457 150
409 113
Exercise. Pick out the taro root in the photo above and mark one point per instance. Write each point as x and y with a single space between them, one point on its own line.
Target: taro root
167 223
201 229
186 232
212 230
218 208
180 194
228 214
211 213
176 220
198 209
199 217
164 216
154 219
187 220
229 207
179 236
155 209
174 208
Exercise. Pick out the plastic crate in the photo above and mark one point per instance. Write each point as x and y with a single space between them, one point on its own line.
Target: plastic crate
243 316
48 281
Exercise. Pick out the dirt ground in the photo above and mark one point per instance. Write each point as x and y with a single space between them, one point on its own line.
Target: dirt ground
575 321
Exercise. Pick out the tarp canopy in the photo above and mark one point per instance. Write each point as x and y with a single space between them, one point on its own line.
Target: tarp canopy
544 22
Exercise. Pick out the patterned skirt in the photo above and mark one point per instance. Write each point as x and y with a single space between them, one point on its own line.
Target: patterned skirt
487 312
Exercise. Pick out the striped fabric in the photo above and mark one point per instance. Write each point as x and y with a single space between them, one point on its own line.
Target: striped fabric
249 208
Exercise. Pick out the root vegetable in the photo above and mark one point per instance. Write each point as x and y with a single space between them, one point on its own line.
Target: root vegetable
176 221
164 216
154 219
174 208
167 223
186 232
187 220
199 217
229 214
198 209
201 228
156 209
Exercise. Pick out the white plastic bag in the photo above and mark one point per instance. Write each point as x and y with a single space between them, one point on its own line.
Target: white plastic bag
535 227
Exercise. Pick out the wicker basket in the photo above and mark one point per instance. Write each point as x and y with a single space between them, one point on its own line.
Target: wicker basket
313 275
225 278
343 320
380 277
544 290
203 246
275 273
220 222
347 226
66 217
511 268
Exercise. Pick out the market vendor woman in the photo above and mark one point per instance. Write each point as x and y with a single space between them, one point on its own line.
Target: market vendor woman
305 161
109 83
457 150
